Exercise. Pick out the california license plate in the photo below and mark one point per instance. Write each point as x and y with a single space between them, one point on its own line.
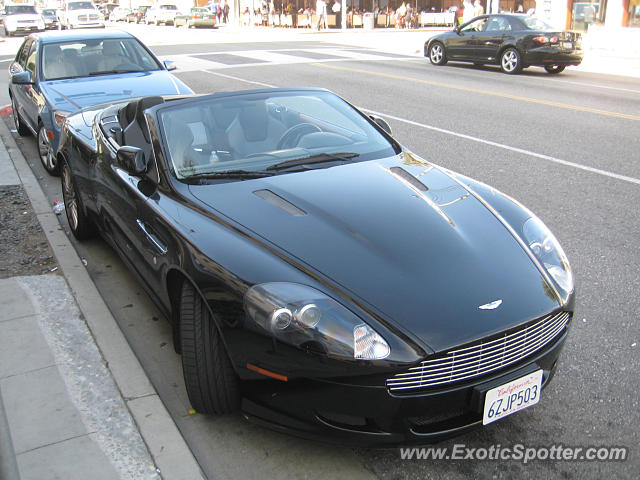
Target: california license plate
567 45
512 397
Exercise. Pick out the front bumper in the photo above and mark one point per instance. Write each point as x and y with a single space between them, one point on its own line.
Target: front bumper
367 416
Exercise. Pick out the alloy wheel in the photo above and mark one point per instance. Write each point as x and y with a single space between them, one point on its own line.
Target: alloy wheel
510 61
45 151
436 53
69 196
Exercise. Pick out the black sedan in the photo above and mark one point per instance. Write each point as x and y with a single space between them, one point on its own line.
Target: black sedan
510 40
319 276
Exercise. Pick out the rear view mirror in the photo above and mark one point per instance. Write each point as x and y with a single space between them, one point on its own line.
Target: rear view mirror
382 123
132 160
22 78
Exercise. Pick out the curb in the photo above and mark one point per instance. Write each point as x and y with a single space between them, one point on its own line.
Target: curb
165 443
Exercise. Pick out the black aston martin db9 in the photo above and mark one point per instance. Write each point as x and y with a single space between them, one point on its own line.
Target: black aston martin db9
512 41
319 276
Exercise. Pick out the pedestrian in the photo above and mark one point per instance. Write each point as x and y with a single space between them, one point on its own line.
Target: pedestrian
219 12
321 12
478 8
225 12
467 13
337 9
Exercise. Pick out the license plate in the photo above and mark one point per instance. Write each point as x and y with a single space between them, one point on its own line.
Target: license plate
512 397
567 45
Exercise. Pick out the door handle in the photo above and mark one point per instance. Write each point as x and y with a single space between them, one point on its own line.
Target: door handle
153 238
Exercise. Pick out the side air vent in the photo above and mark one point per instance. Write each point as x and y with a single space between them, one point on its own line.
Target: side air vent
408 178
280 202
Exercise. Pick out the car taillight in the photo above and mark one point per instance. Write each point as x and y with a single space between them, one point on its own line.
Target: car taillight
543 39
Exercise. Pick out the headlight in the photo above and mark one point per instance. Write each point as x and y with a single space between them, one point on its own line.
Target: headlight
547 249
308 319
59 117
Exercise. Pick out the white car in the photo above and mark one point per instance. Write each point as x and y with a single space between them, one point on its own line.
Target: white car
163 13
22 18
80 14
119 14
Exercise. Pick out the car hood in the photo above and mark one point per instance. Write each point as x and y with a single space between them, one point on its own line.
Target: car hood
74 94
403 238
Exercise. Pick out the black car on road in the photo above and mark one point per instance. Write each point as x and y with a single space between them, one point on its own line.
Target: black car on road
319 276
512 41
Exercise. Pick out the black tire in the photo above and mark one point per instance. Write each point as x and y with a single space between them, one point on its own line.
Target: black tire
510 61
554 69
437 54
46 153
22 129
209 377
81 226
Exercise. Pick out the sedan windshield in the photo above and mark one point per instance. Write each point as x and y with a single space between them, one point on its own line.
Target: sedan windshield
267 134
80 6
91 57
20 10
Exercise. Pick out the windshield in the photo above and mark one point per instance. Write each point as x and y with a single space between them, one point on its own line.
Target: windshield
534 23
20 9
80 6
83 58
168 7
267 133
48 12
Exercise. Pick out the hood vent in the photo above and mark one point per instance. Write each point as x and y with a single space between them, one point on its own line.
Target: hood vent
408 178
280 202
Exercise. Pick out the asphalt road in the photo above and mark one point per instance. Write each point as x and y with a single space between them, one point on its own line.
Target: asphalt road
566 146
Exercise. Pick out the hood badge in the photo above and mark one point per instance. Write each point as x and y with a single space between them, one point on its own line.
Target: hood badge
491 306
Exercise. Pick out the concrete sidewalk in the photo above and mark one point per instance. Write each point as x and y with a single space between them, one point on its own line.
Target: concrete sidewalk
77 404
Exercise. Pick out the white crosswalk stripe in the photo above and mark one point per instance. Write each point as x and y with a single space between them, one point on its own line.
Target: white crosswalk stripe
257 58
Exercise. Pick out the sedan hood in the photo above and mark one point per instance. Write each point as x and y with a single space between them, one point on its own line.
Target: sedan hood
74 94
401 236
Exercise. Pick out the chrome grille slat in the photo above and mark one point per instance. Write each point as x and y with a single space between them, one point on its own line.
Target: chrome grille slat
481 358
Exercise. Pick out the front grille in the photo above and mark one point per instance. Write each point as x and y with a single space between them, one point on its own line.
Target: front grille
481 358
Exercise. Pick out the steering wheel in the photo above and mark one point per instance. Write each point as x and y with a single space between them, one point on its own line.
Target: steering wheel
291 137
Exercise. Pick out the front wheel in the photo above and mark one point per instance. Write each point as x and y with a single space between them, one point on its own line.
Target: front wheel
47 156
437 55
553 69
209 377
510 61
81 226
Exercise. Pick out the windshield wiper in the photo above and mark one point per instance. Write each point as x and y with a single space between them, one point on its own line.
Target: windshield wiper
320 158
230 174
107 72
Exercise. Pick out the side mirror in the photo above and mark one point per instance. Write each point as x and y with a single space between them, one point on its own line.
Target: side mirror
132 160
457 29
22 78
382 123
169 65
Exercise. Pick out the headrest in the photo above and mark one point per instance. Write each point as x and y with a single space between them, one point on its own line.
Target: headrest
254 119
140 106
111 48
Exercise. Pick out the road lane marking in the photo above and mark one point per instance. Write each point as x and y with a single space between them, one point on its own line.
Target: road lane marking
549 103
541 156
491 143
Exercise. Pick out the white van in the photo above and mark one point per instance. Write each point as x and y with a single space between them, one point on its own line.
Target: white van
80 14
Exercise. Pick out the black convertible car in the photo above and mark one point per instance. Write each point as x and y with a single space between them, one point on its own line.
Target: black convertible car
319 276
512 41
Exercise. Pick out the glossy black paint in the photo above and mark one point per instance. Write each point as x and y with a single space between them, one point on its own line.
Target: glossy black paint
486 47
410 248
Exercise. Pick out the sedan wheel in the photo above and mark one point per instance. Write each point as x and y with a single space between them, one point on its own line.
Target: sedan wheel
437 54
80 224
553 69
210 380
510 61
46 152
22 129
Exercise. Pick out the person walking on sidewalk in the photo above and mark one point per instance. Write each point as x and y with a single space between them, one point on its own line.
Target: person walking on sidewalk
321 12
337 8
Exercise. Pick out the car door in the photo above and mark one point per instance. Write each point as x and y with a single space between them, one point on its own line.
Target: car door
24 97
489 40
463 45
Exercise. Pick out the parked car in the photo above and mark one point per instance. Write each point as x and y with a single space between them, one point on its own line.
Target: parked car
50 17
22 19
196 17
318 275
80 14
161 13
56 73
119 14
512 41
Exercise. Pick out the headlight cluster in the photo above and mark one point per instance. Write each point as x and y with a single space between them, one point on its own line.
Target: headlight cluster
308 319
547 249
